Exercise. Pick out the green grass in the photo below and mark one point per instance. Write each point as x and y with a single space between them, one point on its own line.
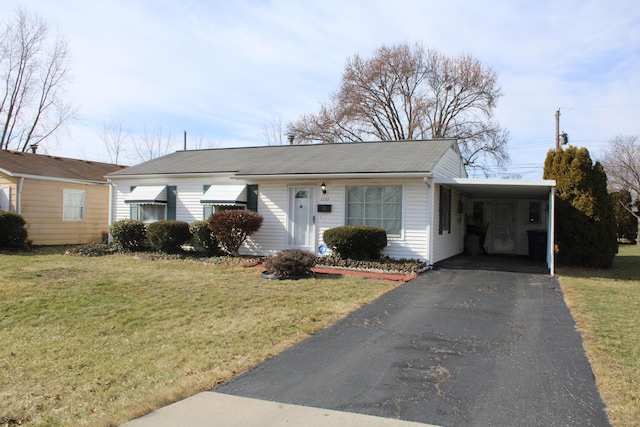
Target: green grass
606 307
99 341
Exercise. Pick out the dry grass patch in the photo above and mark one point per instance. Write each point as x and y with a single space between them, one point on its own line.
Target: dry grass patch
605 305
99 341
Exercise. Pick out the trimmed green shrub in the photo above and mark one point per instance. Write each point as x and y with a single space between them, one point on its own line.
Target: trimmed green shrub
168 236
204 237
129 234
13 231
232 227
585 229
290 263
360 242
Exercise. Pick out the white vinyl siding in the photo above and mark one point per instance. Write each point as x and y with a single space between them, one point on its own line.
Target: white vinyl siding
450 165
412 242
450 242
73 205
272 236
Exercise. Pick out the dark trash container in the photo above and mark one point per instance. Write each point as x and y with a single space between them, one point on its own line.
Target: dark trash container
537 244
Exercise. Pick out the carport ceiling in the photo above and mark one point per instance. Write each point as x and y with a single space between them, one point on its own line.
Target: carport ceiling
501 188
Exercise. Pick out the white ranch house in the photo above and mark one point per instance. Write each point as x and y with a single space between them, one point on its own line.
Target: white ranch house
418 191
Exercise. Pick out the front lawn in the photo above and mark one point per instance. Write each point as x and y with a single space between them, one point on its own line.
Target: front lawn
99 341
606 307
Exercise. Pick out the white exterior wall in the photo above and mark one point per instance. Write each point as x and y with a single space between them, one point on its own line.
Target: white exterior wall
449 243
450 166
189 191
273 206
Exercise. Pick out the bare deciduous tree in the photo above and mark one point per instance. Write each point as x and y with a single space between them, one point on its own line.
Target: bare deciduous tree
406 93
153 143
114 136
621 161
274 132
34 69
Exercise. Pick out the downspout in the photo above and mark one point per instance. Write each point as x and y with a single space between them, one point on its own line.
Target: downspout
431 201
19 196
551 232
110 208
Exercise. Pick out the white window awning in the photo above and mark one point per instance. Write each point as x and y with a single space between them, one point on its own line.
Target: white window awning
148 194
225 195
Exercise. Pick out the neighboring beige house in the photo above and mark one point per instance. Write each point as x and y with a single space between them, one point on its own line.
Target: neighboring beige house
63 201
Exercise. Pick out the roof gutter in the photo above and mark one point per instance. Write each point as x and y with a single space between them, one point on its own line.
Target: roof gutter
54 178
165 175
366 175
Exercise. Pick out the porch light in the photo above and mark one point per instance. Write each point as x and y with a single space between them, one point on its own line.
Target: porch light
323 188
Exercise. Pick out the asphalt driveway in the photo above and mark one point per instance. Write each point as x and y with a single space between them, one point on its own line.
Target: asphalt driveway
451 348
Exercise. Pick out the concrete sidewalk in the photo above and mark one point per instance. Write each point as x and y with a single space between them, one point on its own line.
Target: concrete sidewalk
216 409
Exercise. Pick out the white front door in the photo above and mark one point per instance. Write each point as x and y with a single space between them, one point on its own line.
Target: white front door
504 228
301 217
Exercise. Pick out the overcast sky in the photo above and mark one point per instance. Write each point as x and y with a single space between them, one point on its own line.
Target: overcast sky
222 70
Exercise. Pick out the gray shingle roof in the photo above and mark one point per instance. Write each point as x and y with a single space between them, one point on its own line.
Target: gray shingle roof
19 163
364 157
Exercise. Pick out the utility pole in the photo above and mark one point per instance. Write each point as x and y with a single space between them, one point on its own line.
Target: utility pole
561 138
558 130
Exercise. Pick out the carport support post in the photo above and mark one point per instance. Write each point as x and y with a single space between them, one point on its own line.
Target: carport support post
432 204
551 232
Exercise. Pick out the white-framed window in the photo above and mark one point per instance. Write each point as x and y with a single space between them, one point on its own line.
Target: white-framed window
375 205
149 213
73 205
5 198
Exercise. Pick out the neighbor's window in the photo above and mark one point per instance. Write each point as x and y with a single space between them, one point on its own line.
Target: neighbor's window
149 213
534 212
445 209
73 205
375 205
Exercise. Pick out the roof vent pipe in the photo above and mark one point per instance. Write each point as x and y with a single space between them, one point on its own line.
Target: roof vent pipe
290 137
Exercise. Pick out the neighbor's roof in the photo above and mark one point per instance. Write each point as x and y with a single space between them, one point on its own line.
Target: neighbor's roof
16 163
352 158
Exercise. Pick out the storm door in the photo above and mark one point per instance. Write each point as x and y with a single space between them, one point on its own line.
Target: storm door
301 217
504 228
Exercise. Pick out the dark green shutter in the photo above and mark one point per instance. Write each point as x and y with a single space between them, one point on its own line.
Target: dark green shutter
133 208
171 202
252 197
441 216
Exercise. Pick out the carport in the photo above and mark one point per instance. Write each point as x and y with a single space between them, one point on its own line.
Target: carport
511 217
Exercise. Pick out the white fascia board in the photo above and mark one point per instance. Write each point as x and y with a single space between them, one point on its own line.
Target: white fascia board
165 176
497 181
58 179
390 175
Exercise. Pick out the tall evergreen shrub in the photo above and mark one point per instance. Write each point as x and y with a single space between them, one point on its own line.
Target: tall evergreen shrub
585 221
